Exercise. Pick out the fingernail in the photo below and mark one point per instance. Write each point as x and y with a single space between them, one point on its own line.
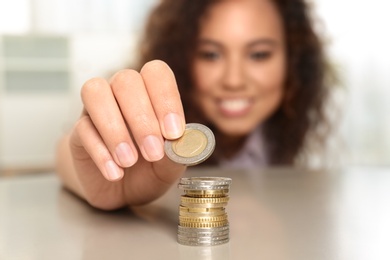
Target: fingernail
153 148
125 154
173 126
113 171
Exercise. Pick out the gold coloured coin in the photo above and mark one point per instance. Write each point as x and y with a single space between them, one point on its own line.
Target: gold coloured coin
208 213
206 193
193 219
191 144
204 224
204 205
200 210
193 147
186 200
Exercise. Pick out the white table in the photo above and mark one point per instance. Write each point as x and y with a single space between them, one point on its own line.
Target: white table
275 213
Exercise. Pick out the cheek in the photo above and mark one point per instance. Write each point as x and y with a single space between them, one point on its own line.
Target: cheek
270 76
205 76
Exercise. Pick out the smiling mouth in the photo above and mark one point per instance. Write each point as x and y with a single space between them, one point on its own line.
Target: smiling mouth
235 107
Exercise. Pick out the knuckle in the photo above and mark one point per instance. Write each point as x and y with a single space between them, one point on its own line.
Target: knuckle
82 124
124 78
92 86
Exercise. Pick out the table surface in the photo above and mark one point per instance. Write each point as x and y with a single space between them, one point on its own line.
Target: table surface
276 213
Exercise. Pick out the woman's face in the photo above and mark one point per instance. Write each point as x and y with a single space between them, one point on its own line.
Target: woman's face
239 67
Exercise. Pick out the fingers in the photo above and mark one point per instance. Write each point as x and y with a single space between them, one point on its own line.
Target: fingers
97 149
164 95
136 107
106 119
132 110
151 105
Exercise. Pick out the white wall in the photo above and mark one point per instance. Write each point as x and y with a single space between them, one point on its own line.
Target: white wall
102 31
101 35
359 45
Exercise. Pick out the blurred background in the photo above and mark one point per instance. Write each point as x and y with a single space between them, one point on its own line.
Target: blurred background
49 48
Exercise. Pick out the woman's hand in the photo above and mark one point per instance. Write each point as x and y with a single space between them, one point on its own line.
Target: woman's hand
114 155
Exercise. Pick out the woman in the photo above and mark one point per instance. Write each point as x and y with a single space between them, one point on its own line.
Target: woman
252 70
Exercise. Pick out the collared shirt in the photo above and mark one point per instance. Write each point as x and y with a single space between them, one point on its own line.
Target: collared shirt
252 154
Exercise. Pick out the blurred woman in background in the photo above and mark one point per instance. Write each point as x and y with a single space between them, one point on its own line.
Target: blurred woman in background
252 70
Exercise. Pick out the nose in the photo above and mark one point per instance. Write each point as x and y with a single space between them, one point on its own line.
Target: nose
234 77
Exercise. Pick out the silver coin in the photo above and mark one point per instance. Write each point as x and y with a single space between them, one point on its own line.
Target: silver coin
196 230
204 239
204 243
204 234
205 183
194 147
195 187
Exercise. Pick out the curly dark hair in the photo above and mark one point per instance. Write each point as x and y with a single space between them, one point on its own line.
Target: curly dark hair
171 35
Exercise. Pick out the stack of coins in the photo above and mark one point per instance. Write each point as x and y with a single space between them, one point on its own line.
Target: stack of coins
202 217
203 220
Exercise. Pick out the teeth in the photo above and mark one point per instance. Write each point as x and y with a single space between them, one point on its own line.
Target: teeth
235 105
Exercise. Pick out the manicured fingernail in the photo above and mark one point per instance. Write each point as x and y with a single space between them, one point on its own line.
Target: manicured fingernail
153 148
113 171
173 126
125 154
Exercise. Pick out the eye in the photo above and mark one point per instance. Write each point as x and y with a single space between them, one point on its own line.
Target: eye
208 55
260 55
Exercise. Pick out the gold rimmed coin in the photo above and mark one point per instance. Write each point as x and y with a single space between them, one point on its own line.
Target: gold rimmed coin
199 210
195 219
206 193
213 224
186 199
203 230
194 147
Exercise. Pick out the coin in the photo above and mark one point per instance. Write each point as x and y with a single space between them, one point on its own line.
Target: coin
202 243
205 183
187 200
202 230
203 234
206 193
203 239
205 224
205 205
200 210
193 147
203 220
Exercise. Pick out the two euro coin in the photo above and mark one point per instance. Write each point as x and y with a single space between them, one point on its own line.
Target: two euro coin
203 220
193 147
